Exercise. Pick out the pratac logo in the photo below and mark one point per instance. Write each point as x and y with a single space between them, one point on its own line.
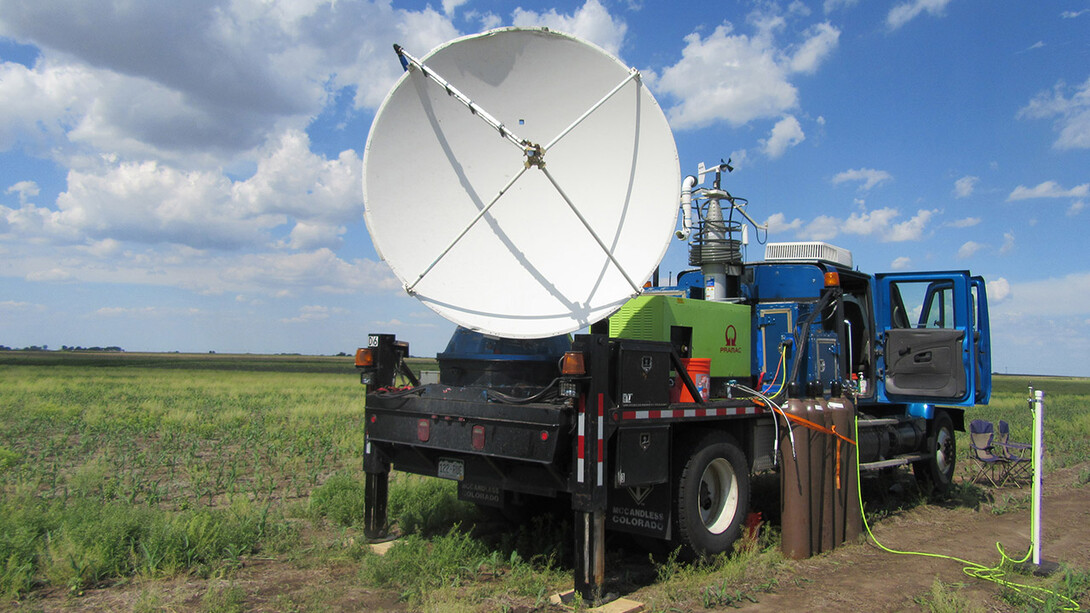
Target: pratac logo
730 337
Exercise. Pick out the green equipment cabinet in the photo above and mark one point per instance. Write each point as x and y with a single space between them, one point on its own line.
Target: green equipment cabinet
719 331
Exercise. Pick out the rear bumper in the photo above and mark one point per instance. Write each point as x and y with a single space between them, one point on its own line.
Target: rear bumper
514 447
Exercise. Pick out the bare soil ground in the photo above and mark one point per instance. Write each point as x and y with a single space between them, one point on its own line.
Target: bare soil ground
856 577
862 577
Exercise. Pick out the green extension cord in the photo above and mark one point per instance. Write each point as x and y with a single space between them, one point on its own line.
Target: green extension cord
995 574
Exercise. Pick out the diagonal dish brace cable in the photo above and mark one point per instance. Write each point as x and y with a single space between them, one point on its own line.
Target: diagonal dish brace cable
635 288
408 60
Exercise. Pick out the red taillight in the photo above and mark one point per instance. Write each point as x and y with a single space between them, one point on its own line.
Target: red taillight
423 430
544 435
572 364
365 357
478 437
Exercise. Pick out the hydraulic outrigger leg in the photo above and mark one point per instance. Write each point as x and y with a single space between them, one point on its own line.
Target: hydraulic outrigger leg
375 524
589 492
590 557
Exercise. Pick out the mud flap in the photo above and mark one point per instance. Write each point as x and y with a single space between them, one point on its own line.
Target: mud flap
643 510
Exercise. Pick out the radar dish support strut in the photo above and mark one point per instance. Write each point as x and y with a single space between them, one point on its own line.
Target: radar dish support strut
469 226
535 156
409 61
594 234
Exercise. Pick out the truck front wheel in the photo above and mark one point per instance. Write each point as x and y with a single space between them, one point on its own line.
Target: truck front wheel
712 495
937 471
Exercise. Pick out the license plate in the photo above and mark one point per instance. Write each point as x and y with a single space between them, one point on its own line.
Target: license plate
452 469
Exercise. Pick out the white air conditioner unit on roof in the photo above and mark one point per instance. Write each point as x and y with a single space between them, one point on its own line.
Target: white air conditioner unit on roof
808 252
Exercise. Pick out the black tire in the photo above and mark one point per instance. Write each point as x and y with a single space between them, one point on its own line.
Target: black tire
712 496
936 473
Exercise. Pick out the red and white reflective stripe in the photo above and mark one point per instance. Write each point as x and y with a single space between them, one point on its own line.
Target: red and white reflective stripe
682 413
582 421
601 439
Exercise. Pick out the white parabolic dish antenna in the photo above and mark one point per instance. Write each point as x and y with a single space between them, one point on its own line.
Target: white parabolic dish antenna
520 182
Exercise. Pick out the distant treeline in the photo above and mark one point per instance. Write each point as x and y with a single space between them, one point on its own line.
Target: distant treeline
63 348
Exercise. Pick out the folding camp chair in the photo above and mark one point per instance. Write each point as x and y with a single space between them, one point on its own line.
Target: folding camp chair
995 468
1015 452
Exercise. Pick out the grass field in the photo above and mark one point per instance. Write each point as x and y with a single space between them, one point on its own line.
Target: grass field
1067 415
119 466
128 467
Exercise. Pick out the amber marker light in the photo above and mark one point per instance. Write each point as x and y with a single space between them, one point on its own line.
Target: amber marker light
832 279
572 364
365 357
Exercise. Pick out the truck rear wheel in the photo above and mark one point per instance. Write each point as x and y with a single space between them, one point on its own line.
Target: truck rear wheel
712 495
936 473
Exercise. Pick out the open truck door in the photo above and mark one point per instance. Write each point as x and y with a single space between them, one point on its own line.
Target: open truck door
935 346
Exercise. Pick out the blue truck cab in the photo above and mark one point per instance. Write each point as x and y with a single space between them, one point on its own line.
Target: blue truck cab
899 342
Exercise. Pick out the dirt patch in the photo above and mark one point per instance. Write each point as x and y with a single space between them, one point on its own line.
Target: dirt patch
862 577
262 585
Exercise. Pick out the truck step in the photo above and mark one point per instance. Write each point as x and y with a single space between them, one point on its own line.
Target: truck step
897 461
885 421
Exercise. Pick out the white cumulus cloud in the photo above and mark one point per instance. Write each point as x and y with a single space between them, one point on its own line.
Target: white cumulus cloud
820 41
832 5
312 313
1048 189
912 229
963 187
786 133
732 77
868 178
204 82
968 249
872 222
25 189
999 289
151 202
1008 243
966 222
880 223
312 235
449 6
1071 113
822 227
777 223
907 11
592 22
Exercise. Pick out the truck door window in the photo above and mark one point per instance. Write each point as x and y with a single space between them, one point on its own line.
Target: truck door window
930 305
858 333
975 322
899 317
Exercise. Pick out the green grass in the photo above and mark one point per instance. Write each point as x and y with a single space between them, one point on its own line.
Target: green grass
1059 592
153 465
1066 416
432 572
946 598
122 465
85 542
721 582
112 470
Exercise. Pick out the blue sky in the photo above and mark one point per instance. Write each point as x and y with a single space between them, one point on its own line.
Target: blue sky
186 176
